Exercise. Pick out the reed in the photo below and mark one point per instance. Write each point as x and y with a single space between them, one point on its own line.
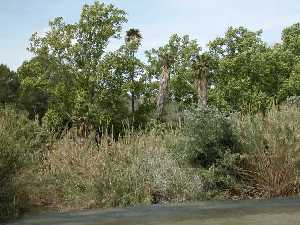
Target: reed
271 159
138 168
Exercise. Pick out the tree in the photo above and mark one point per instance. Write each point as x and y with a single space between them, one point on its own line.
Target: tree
133 40
201 67
9 86
172 65
163 86
291 86
35 84
248 74
80 67
291 38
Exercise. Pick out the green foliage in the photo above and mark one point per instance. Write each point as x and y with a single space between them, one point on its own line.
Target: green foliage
79 76
9 85
178 52
136 86
248 75
291 39
74 80
207 136
218 180
20 142
34 94
291 86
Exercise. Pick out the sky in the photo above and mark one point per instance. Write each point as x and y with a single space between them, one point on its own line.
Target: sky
157 19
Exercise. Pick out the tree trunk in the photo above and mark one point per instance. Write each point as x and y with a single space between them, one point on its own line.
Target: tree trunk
163 91
132 83
132 98
202 86
132 103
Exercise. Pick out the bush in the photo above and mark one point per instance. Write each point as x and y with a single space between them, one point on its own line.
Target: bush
20 141
293 101
136 169
206 136
269 166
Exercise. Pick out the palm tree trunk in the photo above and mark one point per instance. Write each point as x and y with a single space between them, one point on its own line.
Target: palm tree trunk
132 97
202 86
163 91
132 83
132 102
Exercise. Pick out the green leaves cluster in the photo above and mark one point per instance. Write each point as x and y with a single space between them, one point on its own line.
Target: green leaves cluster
9 85
72 79
249 75
207 137
178 53
75 80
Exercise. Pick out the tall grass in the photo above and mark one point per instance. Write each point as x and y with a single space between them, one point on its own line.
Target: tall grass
136 169
270 165
245 156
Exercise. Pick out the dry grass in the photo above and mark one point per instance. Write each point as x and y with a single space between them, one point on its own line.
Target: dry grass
272 174
270 165
139 168
136 169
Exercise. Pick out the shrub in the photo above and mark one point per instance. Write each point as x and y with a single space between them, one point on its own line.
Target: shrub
20 141
136 169
206 136
270 144
293 101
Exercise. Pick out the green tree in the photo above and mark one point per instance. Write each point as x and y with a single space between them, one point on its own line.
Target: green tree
174 62
291 86
291 38
34 92
133 41
84 80
248 74
9 85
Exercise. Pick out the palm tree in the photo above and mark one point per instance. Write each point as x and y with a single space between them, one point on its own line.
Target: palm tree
201 68
133 40
166 61
133 35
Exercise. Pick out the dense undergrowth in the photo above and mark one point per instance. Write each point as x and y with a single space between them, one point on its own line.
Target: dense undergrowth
212 155
136 169
21 146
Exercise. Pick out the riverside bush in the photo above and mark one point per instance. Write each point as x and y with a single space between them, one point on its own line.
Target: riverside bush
241 156
206 136
269 165
20 142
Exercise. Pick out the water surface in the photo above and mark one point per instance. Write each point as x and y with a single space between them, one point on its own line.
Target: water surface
271 212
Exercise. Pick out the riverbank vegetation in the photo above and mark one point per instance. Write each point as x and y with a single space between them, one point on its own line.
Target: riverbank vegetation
82 126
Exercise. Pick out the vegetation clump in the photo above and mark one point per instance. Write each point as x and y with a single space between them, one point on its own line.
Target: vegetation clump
207 136
182 125
21 143
136 169
269 165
